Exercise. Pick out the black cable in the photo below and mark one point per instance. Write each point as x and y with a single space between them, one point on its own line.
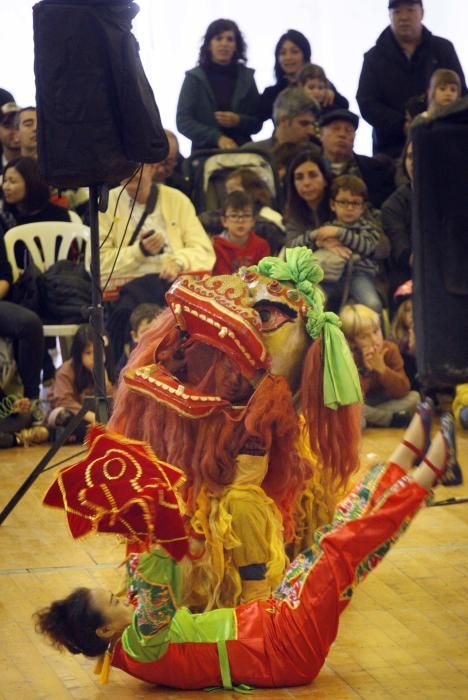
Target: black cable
125 231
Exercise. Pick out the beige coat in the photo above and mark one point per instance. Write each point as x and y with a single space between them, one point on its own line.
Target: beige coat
188 243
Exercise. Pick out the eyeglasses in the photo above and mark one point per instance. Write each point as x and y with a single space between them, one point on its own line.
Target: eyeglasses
349 205
239 217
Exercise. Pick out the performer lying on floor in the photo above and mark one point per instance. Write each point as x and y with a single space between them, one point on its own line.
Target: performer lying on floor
282 641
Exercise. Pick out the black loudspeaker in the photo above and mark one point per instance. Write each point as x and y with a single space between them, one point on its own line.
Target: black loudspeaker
97 116
440 246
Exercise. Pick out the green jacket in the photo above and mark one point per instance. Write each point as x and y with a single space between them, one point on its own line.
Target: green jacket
196 107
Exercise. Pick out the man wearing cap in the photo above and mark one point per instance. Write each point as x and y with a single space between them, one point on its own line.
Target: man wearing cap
338 130
9 140
398 67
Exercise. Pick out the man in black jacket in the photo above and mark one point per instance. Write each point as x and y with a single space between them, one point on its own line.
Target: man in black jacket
338 134
398 67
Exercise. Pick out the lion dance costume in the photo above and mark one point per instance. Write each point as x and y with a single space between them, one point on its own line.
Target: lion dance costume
248 386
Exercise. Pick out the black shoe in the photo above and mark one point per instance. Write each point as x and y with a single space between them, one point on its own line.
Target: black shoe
63 418
401 419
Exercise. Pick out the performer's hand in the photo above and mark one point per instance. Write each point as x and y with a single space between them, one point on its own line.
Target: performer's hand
170 270
226 142
227 119
152 243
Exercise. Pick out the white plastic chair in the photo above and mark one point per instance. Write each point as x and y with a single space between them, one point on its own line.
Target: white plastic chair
47 242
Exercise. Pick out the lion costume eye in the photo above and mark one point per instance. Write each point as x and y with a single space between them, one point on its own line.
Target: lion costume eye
274 315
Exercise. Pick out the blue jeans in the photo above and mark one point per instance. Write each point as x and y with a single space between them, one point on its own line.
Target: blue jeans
362 290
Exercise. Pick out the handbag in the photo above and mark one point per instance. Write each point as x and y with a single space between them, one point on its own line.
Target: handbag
25 291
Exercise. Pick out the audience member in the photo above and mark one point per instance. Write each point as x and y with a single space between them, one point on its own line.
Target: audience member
238 246
282 156
292 52
307 196
218 102
169 171
171 239
397 68
444 89
74 381
402 331
152 242
349 242
26 195
268 222
294 116
24 329
388 399
9 138
396 221
338 135
27 128
140 319
315 83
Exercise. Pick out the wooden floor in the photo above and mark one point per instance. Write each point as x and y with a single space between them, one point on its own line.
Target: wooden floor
405 635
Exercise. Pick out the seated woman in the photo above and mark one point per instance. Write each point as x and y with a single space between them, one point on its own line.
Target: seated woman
307 196
268 222
24 328
292 52
26 195
218 102
282 641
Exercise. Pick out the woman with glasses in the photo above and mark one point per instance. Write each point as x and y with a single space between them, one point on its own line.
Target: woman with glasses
218 102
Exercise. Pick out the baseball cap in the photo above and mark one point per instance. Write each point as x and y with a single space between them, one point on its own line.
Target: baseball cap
396 3
8 112
340 115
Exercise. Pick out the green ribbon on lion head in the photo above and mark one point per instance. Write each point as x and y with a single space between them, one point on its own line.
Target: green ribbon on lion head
341 385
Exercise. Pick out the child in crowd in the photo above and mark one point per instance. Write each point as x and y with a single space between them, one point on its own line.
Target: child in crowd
460 405
141 317
388 399
444 89
238 245
74 381
349 242
268 221
314 82
403 331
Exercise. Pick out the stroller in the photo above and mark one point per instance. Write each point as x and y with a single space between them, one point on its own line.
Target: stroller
207 169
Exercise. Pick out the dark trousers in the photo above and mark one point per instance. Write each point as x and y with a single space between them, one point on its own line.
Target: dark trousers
24 327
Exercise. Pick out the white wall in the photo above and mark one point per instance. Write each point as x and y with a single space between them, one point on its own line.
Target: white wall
170 31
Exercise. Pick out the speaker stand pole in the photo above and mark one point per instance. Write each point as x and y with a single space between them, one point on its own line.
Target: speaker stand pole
97 200
98 196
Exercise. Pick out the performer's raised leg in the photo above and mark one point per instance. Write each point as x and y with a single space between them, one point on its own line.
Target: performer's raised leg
320 582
